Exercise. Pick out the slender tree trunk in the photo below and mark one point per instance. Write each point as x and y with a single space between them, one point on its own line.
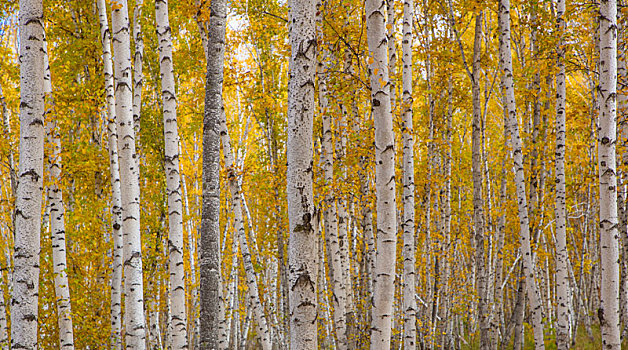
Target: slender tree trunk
409 250
608 313
173 178
251 278
7 130
129 182
392 52
343 222
28 200
302 252
562 255
57 220
338 286
153 340
528 263
384 274
138 75
478 202
211 304
4 334
116 199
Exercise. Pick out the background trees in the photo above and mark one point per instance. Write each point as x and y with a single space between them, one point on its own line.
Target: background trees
457 125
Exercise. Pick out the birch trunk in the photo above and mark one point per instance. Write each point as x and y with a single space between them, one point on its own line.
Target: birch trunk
608 313
251 278
209 263
116 199
392 52
302 252
57 220
338 286
173 178
138 75
383 285
129 181
562 255
343 222
409 250
478 202
513 126
4 334
24 313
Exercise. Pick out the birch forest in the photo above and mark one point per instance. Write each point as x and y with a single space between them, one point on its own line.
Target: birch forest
313 174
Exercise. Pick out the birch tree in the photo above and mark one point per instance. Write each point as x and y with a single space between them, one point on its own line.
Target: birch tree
138 74
383 284
409 249
505 56
211 304
114 171
608 313
24 303
478 202
173 178
330 218
263 330
129 180
302 243
57 218
562 255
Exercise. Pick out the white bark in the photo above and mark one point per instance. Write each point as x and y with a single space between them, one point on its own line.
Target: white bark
536 317
478 202
138 75
30 178
129 182
173 178
4 334
409 249
116 196
302 250
384 274
57 220
562 255
343 219
338 296
608 313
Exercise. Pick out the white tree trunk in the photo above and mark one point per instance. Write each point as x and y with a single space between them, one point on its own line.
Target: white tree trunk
28 200
4 276
536 317
409 249
343 222
57 221
384 274
478 202
562 255
138 75
116 199
129 182
302 243
338 296
4 334
173 178
608 312
251 277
